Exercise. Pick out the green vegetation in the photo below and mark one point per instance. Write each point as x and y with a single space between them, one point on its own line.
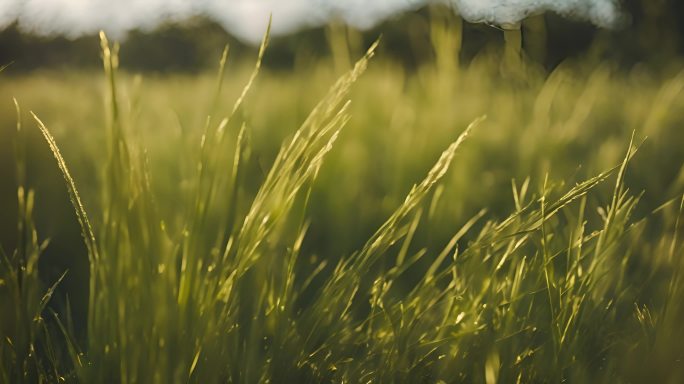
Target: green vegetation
543 245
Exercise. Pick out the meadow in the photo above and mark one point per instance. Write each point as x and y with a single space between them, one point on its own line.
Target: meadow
347 221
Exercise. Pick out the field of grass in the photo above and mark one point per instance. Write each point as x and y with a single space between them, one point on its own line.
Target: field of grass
343 223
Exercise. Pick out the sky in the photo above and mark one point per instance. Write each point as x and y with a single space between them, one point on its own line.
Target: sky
247 19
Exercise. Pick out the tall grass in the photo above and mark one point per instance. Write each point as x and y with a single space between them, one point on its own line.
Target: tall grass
567 287
26 351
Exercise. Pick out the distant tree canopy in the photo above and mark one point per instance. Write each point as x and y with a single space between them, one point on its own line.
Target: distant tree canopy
655 35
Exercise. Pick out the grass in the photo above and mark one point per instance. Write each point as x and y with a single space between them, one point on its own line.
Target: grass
349 250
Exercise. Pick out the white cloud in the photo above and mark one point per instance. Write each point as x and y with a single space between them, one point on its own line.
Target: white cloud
247 19
604 13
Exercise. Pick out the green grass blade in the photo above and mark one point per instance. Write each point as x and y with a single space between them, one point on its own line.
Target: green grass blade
81 215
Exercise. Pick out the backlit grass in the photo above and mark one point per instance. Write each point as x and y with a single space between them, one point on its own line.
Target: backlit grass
225 245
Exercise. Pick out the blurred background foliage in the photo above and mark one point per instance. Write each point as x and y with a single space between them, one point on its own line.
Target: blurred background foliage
654 35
